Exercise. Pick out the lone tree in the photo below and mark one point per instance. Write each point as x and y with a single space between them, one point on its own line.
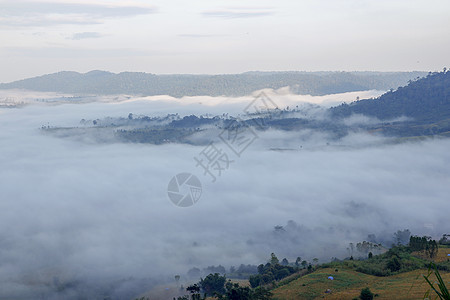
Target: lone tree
402 236
274 259
394 264
304 263
366 294
213 283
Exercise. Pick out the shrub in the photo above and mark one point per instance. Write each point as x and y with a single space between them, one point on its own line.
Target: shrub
393 264
366 294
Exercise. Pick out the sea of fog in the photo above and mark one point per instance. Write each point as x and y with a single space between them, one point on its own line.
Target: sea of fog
84 215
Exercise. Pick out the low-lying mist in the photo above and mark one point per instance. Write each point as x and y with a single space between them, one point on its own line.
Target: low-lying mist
86 218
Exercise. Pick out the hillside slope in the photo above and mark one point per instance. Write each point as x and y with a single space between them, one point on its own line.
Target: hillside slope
425 100
347 284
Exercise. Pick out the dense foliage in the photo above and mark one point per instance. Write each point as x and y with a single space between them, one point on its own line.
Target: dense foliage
425 100
396 260
213 284
271 272
218 286
425 243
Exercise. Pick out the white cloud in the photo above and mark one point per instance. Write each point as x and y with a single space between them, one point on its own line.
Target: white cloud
79 52
236 37
246 12
86 35
50 13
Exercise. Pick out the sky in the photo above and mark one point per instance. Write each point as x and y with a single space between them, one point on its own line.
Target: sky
225 36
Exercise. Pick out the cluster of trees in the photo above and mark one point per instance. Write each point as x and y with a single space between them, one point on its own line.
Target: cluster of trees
364 248
273 271
154 136
397 259
177 129
263 274
425 244
215 285
236 292
132 120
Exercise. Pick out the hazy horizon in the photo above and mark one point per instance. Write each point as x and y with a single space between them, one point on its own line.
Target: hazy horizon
229 73
224 37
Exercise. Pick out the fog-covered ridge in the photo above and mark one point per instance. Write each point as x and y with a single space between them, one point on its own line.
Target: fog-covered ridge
178 85
420 109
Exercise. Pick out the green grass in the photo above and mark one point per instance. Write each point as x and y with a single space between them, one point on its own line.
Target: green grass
353 275
347 284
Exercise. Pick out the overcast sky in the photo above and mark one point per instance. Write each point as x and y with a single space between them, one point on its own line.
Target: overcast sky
200 36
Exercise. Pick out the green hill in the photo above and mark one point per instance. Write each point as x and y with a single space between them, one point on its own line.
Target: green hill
347 284
400 280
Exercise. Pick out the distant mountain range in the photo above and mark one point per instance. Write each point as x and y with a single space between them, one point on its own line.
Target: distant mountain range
134 83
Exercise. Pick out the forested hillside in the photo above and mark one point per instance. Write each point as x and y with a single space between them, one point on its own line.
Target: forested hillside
425 100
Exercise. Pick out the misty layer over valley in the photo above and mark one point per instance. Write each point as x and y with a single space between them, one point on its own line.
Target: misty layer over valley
85 210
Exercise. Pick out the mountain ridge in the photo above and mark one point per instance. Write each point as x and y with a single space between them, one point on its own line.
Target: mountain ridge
179 85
